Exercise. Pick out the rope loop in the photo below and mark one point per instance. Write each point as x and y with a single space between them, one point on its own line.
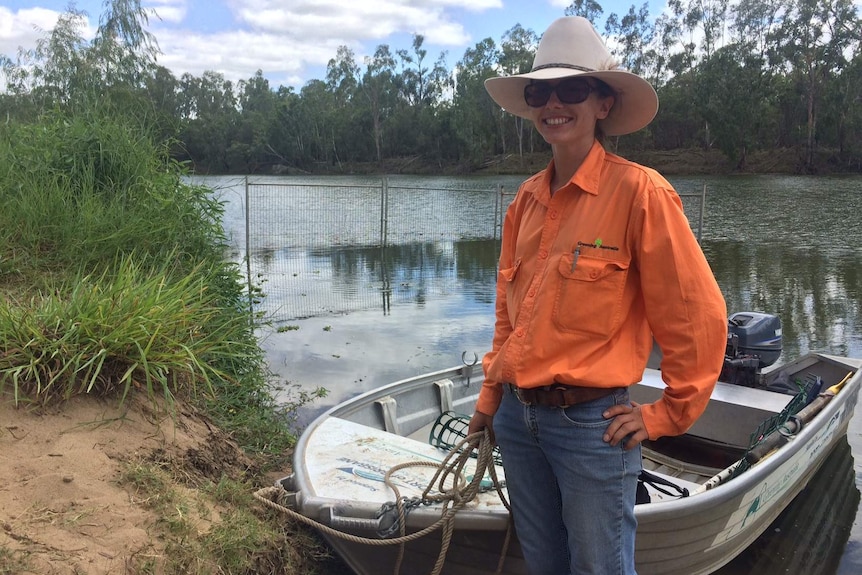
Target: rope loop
454 490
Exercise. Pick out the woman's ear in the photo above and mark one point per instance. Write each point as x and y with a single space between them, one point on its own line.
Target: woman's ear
605 105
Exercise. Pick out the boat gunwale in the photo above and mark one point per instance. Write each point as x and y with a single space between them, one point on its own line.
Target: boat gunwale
645 513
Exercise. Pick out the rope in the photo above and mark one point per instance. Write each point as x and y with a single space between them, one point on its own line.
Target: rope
453 497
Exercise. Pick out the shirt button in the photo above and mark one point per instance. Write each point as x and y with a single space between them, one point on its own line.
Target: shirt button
507 374
553 214
543 254
531 293
594 274
519 333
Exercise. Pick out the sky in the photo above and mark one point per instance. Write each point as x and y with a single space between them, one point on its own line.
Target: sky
291 41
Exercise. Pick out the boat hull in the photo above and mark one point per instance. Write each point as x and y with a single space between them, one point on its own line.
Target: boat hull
687 536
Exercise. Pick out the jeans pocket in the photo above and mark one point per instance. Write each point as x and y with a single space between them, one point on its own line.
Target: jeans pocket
590 415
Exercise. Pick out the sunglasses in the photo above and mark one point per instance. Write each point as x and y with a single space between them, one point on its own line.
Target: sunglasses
569 91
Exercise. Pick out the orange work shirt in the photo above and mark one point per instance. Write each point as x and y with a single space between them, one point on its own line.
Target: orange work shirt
590 275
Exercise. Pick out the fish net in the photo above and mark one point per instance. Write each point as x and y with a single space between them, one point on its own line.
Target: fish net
807 391
450 429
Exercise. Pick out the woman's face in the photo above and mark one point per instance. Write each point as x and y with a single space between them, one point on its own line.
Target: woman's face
565 111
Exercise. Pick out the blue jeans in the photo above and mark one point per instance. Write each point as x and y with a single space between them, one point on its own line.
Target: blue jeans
572 494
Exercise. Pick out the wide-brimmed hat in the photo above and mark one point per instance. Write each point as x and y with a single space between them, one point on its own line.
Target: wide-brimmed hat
572 47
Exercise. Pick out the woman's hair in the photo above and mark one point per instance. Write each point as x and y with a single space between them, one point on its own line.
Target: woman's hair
604 91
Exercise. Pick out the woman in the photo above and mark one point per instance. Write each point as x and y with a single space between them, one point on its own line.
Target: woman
598 261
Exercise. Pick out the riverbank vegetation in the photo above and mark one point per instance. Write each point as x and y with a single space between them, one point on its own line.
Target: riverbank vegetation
115 289
745 79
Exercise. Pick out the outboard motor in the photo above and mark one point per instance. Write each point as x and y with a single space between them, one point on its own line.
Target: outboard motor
754 341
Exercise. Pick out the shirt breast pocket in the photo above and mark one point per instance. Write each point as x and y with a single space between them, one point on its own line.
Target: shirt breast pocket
590 295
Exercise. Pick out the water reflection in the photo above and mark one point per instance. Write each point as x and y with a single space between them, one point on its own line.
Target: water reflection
816 296
315 281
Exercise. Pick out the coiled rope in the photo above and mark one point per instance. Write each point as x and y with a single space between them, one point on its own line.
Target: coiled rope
453 491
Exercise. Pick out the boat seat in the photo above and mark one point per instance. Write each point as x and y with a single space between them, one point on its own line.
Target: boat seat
700 451
733 414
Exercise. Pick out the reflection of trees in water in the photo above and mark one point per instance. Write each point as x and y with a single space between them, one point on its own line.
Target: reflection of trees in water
817 297
337 280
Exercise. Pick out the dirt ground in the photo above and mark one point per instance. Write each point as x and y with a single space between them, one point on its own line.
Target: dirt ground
63 509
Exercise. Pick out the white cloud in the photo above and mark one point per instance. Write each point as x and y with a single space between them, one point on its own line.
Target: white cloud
287 39
24 27
168 10
291 42
238 55
348 21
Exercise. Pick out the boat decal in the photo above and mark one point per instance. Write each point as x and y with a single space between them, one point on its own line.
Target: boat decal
824 437
371 472
773 490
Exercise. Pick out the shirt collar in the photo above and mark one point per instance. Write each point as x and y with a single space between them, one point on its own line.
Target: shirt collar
585 178
588 175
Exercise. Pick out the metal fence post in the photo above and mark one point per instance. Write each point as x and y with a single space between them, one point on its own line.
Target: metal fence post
498 210
384 211
248 253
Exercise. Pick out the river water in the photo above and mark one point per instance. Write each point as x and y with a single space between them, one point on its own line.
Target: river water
785 245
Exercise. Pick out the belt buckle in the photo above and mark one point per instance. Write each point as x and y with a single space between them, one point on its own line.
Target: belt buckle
558 387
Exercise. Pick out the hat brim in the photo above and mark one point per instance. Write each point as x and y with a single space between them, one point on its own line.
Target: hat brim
635 104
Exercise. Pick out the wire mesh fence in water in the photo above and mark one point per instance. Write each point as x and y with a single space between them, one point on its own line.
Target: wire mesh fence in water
332 248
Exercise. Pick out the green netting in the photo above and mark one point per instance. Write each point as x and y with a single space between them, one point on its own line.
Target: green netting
774 423
450 429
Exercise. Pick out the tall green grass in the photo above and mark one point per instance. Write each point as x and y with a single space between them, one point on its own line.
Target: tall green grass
76 192
113 278
126 328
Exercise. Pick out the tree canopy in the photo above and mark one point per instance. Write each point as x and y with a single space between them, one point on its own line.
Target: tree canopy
739 77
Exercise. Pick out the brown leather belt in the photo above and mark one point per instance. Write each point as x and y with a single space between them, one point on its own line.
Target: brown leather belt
559 395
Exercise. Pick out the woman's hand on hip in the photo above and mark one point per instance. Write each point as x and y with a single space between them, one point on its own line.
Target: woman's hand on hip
628 422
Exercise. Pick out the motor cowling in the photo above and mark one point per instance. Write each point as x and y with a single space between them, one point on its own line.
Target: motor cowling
754 334
754 341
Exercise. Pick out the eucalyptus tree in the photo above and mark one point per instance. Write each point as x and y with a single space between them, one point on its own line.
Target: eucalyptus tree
753 26
208 105
632 38
256 104
517 50
161 89
415 86
589 9
476 115
708 17
422 88
705 19
666 37
815 40
314 113
342 81
378 87
288 140
844 97
735 109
